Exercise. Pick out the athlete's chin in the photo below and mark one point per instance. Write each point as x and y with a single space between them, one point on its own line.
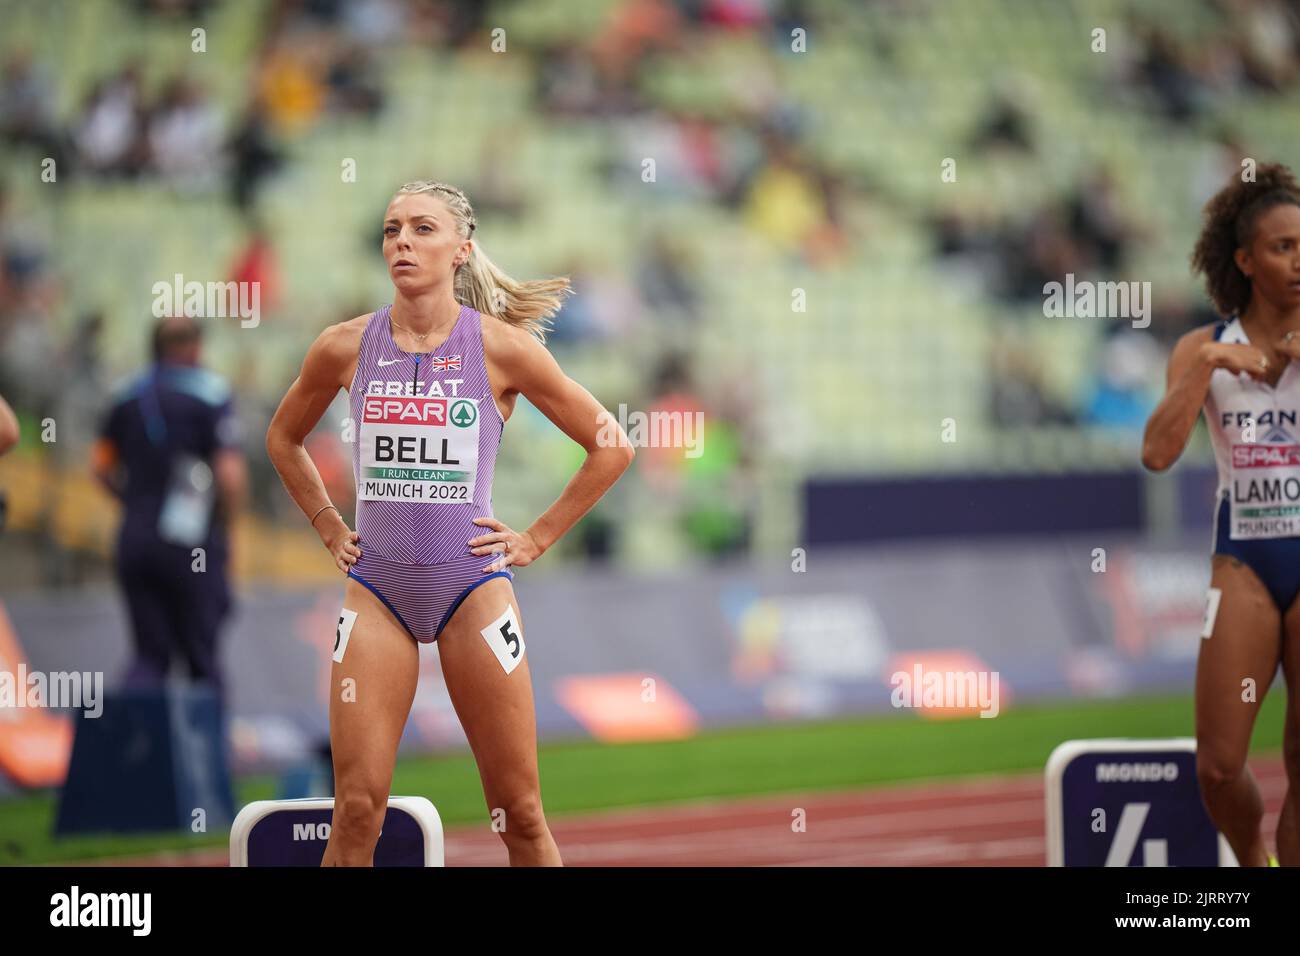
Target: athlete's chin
408 280
1287 296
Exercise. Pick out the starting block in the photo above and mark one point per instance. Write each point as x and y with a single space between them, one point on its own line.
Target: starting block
294 833
1129 803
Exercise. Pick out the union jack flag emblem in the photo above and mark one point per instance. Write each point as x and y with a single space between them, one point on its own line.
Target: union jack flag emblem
441 363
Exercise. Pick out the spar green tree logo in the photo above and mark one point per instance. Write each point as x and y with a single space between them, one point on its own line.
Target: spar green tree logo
463 414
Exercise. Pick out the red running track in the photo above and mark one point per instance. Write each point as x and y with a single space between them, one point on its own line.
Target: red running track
986 821
992 821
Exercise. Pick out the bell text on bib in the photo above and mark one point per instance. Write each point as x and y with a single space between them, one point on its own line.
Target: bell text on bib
418 449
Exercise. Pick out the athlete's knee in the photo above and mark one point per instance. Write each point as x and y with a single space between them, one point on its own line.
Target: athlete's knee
1215 770
359 813
521 818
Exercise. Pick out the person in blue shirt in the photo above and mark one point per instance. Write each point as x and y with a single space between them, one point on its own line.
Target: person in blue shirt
169 449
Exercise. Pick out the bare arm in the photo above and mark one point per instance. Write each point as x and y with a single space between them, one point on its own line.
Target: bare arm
532 371
1193 361
104 466
8 427
323 374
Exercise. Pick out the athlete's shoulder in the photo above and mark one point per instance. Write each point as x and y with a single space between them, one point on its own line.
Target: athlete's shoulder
347 333
333 353
1198 336
1185 350
508 345
341 341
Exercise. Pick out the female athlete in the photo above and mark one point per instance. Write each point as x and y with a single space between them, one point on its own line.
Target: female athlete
432 380
1243 372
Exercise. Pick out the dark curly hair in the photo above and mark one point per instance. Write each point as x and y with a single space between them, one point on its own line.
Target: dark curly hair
1230 219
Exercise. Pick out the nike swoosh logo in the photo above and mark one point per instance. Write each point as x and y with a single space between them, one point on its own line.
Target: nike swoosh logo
382 363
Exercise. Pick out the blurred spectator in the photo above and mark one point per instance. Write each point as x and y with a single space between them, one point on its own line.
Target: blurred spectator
169 448
27 106
353 84
290 88
671 391
9 435
1019 395
1217 161
1166 71
606 306
637 28
108 133
1097 220
723 480
184 136
566 80
375 22
253 157
1127 381
257 265
28 297
23 258
1267 40
1005 124
970 246
1036 252
680 169
499 192
575 322
785 204
704 473
1176 314
664 278
78 365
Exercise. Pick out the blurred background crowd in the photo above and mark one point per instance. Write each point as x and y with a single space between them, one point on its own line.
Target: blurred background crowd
797 268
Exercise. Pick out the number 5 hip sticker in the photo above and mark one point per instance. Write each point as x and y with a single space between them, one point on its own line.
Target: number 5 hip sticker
343 632
506 638
1212 598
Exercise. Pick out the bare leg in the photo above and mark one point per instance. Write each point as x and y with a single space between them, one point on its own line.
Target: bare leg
1245 646
1288 824
370 698
496 711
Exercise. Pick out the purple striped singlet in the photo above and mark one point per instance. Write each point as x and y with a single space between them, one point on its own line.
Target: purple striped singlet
421 478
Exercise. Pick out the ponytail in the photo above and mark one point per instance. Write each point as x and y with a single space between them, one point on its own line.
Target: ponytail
482 285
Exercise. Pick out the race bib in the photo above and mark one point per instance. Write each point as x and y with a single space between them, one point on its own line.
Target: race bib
1265 491
418 449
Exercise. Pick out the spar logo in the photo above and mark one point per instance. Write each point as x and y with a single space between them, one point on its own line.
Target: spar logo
463 414
405 411
1265 456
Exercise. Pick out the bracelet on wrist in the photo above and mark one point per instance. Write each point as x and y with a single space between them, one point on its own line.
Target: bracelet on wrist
318 514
